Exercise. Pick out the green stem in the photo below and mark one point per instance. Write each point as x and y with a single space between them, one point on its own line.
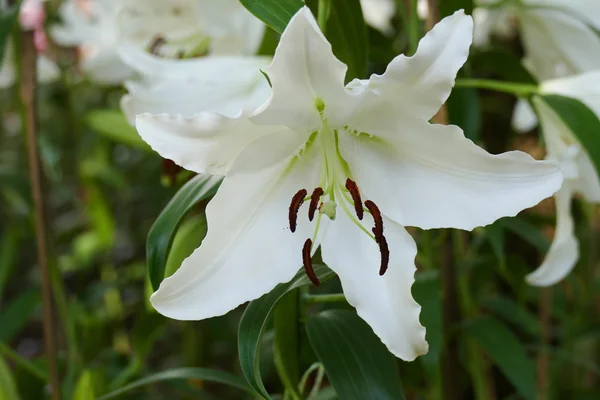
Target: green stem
324 298
516 89
323 13
414 23
23 363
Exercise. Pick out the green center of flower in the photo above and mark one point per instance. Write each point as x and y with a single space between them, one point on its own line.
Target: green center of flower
192 46
336 187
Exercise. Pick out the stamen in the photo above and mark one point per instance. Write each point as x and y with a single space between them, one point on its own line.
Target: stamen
374 210
385 254
314 201
308 268
355 193
297 201
156 44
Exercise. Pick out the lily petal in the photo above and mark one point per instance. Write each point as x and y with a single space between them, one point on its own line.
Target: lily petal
419 85
384 302
379 13
548 38
209 143
249 248
564 251
303 69
221 84
558 136
431 176
524 118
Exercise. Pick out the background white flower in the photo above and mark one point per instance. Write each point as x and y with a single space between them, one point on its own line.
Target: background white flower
217 70
581 176
170 29
560 38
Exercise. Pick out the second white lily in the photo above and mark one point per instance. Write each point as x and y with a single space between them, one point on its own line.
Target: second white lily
365 150
578 169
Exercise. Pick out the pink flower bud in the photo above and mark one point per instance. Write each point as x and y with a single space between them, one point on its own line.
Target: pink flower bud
32 15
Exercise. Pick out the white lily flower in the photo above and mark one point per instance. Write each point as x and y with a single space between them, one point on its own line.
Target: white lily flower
225 79
171 29
580 174
548 30
91 26
335 146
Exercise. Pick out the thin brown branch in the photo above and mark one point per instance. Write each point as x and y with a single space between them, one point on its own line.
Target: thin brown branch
28 95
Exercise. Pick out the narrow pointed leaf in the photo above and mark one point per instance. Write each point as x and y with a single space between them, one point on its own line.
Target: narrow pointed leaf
202 374
506 352
15 315
582 121
8 386
84 390
347 32
160 237
254 321
286 324
358 365
275 13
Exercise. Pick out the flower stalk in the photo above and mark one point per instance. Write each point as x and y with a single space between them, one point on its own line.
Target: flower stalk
516 89
28 95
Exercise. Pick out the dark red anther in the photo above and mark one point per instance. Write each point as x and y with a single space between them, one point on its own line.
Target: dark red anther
297 201
314 202
374 210
156 44
306 260
355 193
385 254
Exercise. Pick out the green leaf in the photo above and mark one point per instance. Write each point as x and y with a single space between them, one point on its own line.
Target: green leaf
8 19
84 389
448 7
464 111
203 374
358 365
506 352
286 324
527 231
254 321
347 32
160 237
8 387
512 312
502 64
16 314
275 13
114 125
9 251
427 291
582 121
188 238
